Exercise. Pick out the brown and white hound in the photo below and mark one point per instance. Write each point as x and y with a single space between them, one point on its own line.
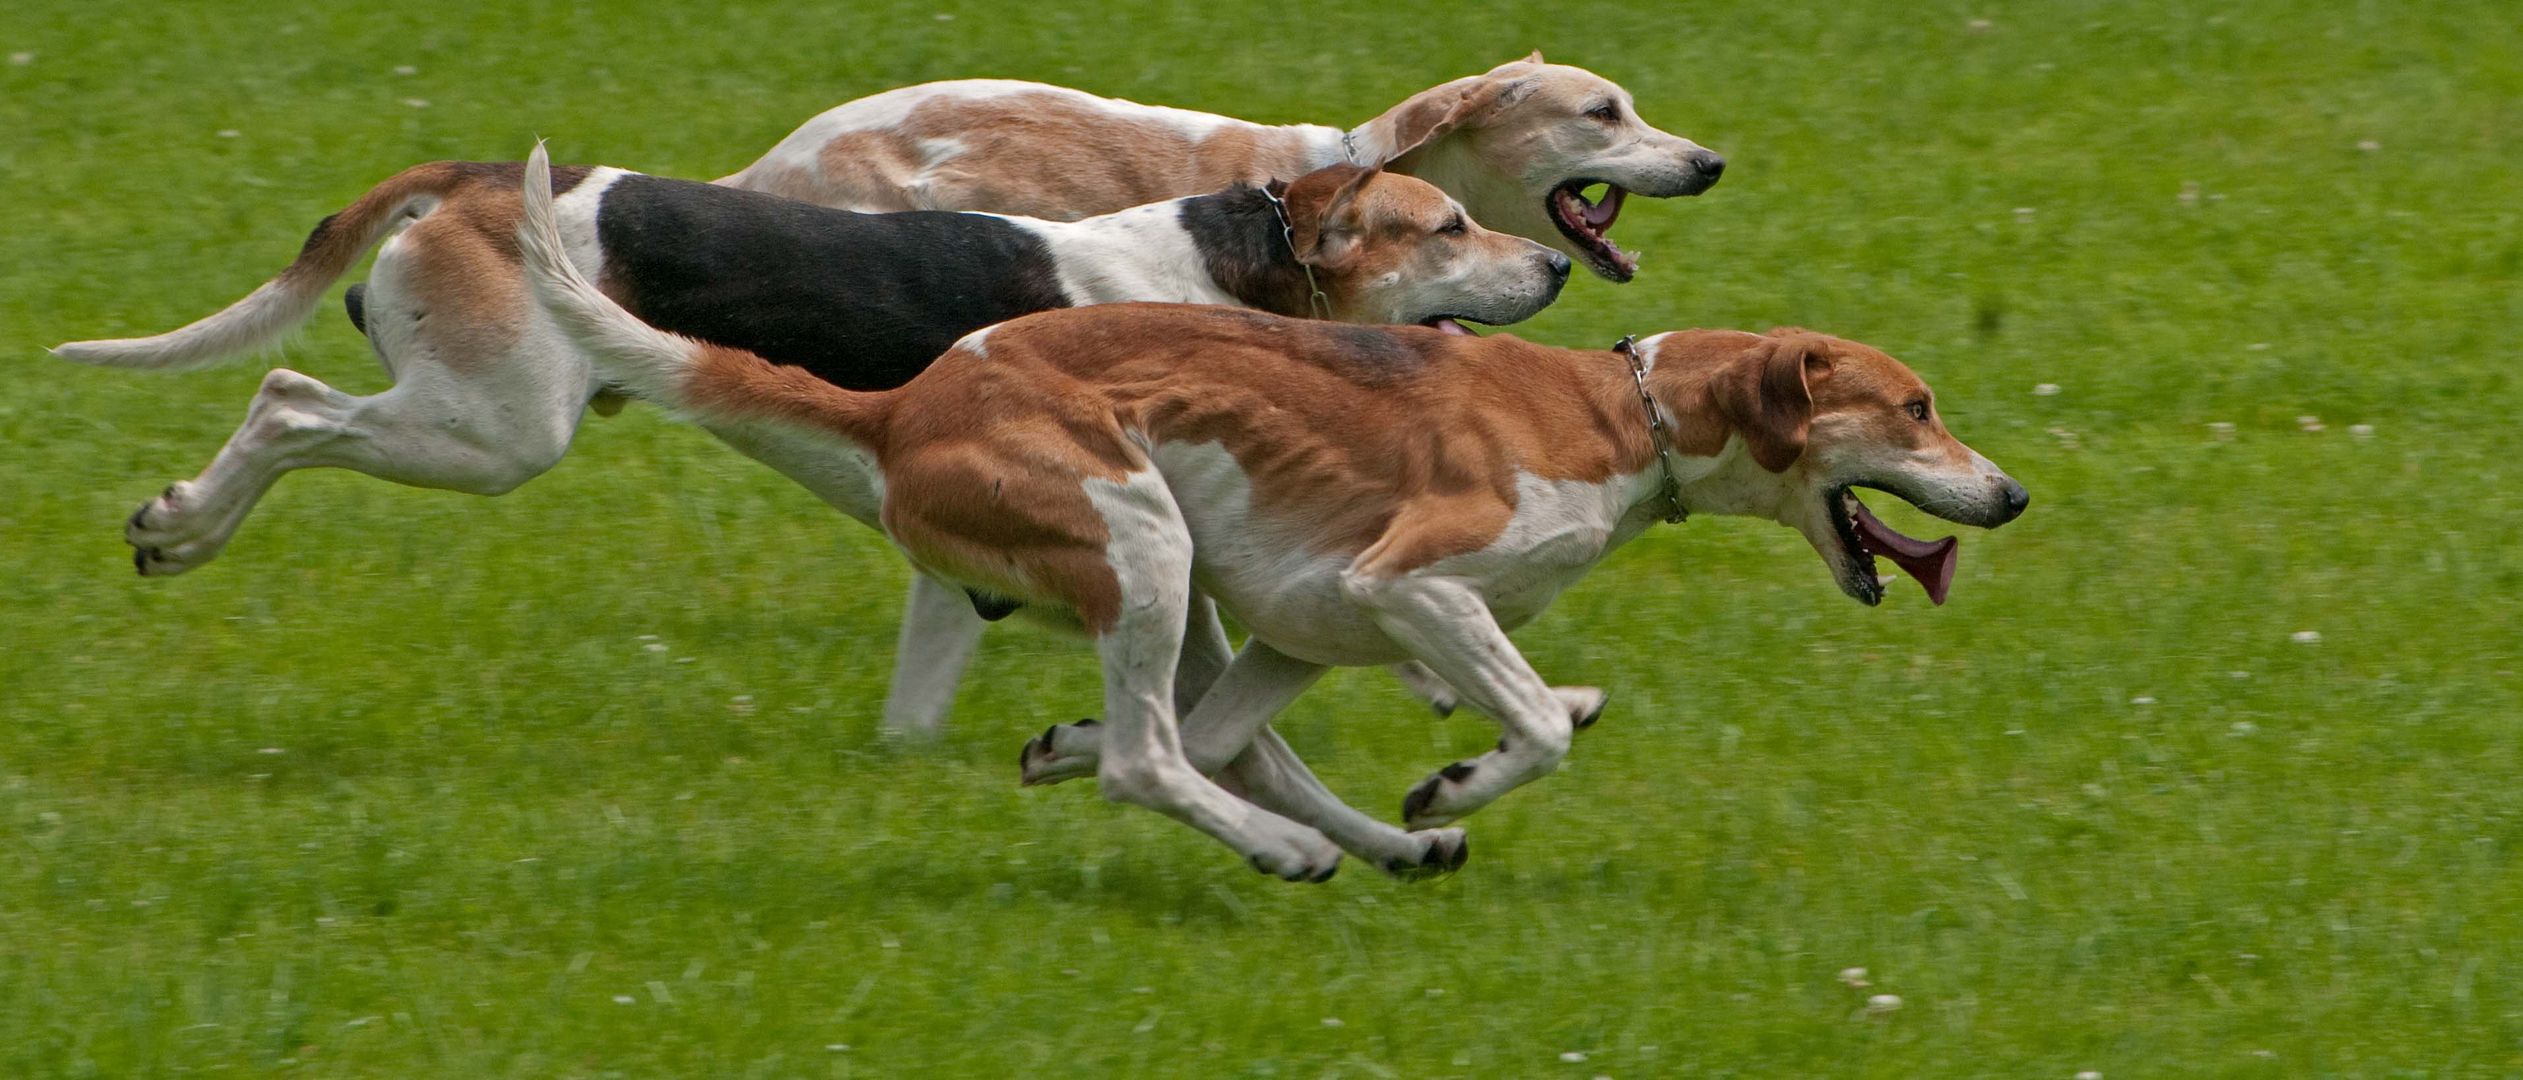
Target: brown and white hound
1520 145
1353 495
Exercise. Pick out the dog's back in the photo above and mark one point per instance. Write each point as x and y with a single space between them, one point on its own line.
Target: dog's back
864 301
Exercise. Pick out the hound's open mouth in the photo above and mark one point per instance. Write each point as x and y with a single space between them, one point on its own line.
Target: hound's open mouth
1864 539
1448 324
1585 222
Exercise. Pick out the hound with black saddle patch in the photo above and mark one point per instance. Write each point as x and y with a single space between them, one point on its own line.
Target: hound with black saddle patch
1353 495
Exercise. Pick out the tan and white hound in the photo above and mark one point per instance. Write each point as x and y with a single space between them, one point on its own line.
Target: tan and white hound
1520 145
1353 495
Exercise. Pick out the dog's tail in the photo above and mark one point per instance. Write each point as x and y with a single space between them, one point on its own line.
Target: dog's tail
268 314
695 377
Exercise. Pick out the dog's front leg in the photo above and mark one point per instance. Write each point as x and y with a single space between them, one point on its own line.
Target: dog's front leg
1445 624
1585 703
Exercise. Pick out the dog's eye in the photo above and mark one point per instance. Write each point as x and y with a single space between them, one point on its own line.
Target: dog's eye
1453 225
1918 411
1606 112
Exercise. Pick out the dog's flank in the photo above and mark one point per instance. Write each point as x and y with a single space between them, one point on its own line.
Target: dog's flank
268 315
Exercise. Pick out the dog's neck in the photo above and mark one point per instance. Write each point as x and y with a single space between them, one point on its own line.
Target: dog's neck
1244 248
1715 472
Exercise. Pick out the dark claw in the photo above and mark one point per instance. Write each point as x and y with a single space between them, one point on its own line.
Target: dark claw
1442 709
1462 854
1457 771
1089 722
140 560
1416 803
1587 721
1327 873
139 519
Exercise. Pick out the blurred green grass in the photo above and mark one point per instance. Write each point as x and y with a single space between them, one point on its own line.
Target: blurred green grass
396 788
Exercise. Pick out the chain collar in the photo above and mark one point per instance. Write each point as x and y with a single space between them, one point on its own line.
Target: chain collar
1319 305
1670 489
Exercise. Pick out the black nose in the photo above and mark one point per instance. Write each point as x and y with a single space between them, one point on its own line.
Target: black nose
1706 168
1559 265
2016 500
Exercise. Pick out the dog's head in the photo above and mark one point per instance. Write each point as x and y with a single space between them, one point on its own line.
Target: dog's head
1819 417
1388 248
1523 143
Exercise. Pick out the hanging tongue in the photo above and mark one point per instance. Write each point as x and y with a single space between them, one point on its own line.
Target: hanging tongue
1930 561
1450 326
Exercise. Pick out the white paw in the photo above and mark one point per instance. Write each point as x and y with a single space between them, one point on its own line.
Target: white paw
1296 853
1062 752
1441 852
171 534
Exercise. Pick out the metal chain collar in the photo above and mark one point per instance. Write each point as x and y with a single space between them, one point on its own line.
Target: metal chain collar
1670 489
1316 303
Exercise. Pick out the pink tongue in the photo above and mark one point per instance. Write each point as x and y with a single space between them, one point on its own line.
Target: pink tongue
1449 326
1931 562
1599 216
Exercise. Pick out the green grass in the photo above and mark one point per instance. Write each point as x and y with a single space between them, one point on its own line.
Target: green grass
394 788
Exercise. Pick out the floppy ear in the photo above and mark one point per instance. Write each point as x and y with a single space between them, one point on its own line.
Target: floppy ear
1437 113
1317 204
1764 398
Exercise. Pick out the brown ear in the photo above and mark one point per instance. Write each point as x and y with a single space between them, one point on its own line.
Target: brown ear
1436 114
1317 203
1536 58
1764 398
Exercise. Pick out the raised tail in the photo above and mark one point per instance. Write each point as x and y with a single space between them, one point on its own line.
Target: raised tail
696 377
268 314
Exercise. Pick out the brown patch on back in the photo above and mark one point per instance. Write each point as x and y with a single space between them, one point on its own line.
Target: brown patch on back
1037 154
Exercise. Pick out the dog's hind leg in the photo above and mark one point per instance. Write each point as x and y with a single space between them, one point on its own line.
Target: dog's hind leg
939 631
481 423
1142 759
1271 775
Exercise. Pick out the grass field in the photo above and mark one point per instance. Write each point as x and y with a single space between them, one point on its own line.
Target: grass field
399 787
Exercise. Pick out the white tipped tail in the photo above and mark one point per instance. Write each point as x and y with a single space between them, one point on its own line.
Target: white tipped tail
639 358
259 322
267 315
